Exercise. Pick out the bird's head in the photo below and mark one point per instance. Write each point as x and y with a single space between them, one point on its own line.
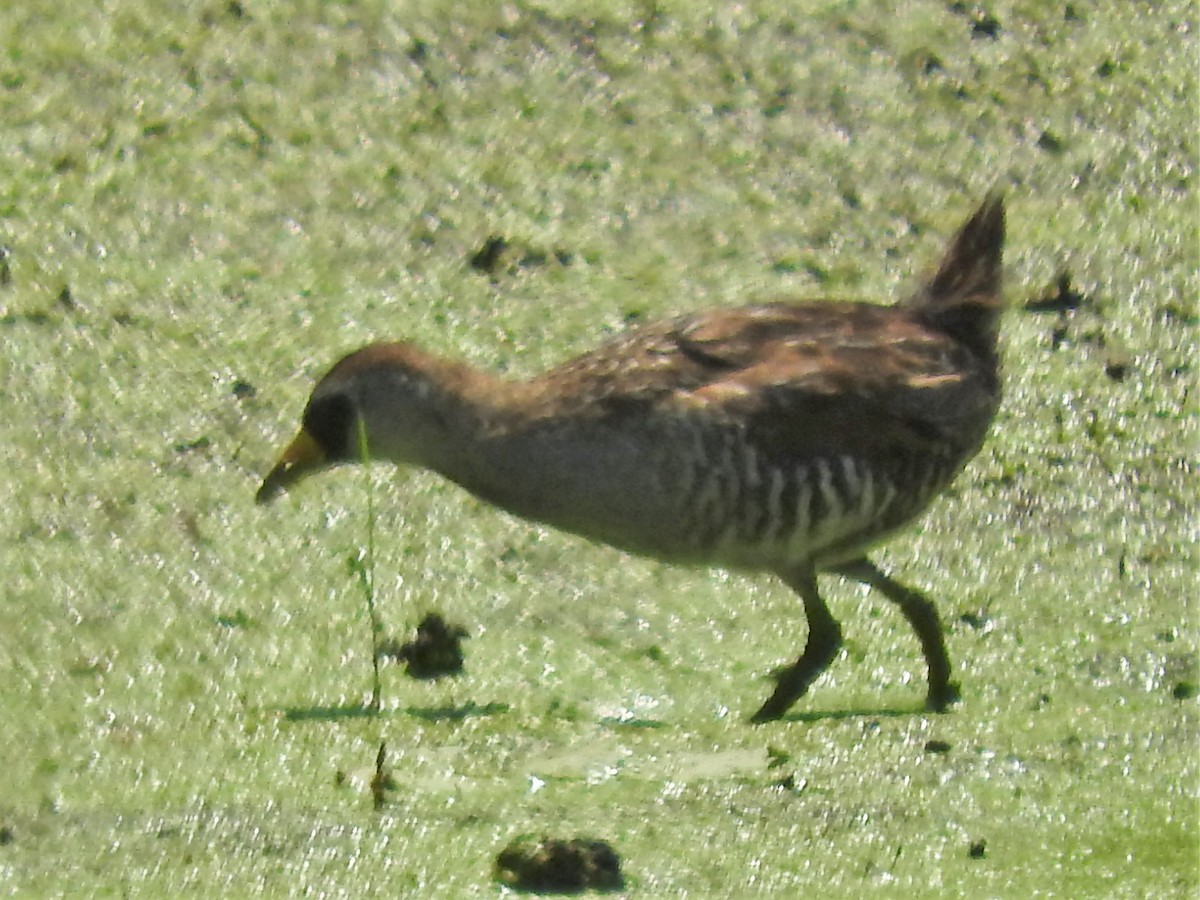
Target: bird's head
385 401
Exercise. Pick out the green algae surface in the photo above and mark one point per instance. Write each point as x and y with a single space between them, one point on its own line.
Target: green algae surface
203 206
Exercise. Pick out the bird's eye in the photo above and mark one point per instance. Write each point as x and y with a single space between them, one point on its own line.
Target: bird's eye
328 421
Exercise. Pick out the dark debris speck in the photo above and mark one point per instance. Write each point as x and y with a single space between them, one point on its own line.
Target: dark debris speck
66 299
986 26
381 781
1062 297
1050 142
487 258
1117 367
777 757
499 255
192 446
976 620
244 390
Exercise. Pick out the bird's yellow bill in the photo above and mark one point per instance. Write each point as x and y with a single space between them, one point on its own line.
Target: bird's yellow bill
302 457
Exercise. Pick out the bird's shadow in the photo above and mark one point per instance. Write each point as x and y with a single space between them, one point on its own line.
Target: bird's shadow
472 710
467 710
838 715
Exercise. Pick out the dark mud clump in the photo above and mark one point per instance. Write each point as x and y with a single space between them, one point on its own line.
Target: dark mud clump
435 651
557 866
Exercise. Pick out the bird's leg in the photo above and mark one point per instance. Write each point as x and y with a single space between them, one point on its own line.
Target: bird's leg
824 639
923 617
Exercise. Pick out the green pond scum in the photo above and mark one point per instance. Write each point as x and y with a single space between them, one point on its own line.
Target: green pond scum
204 205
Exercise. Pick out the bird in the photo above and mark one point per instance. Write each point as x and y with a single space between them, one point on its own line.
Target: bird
785 437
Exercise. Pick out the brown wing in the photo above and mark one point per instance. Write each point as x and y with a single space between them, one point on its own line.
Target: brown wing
687 353
819 378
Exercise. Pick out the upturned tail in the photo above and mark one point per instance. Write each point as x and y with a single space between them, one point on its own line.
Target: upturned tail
963 297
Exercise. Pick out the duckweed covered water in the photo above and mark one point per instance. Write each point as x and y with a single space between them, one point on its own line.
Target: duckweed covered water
206 206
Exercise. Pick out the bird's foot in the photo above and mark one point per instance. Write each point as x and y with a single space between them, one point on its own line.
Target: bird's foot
941 697
791 684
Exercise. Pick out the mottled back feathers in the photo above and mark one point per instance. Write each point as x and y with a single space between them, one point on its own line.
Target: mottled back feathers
819 378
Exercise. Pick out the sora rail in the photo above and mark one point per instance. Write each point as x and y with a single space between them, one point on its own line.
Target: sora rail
787 438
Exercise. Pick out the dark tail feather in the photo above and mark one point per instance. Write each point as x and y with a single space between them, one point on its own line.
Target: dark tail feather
963 297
